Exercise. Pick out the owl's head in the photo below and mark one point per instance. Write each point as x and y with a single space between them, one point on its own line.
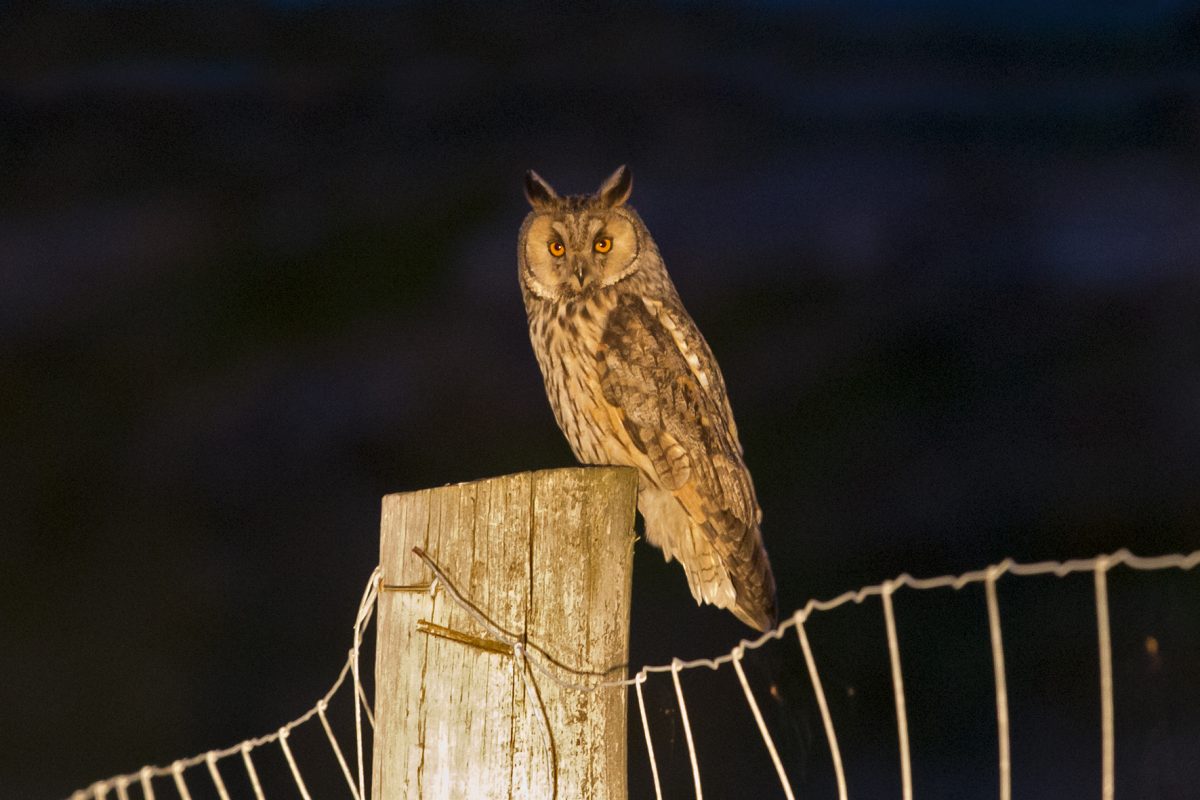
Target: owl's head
576 245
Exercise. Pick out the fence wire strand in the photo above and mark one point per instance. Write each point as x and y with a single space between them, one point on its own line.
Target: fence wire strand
762 726
211 760
1107 767
687 728
893 643
835 752
1001 680
646 730
180 785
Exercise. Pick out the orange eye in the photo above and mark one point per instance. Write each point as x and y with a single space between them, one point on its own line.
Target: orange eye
603 245
557 249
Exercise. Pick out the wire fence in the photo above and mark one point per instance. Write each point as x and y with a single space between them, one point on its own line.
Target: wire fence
184 774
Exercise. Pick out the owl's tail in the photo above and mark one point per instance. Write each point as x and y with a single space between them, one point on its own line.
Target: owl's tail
744 558
723 557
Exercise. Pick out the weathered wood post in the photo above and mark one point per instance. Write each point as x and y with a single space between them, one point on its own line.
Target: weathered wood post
546 557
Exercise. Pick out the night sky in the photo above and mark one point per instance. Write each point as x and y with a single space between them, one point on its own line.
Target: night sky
257 269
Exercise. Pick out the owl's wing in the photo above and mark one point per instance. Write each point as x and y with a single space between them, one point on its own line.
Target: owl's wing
660 383
660 379
699 358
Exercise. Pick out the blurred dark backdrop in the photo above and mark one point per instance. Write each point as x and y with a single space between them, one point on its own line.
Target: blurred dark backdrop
257 269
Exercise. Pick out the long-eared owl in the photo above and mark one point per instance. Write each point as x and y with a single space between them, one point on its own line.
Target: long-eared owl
632 382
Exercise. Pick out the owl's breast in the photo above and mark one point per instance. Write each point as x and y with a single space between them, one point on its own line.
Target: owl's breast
566 339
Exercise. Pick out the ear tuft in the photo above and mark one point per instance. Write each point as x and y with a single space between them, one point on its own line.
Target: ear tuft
616 187
537 191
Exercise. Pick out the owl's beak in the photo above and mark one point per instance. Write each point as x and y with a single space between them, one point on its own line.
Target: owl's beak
579 271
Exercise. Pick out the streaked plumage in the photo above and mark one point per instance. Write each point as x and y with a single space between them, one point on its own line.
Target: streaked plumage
632 382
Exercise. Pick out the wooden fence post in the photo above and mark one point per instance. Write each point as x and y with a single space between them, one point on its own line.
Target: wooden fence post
546 557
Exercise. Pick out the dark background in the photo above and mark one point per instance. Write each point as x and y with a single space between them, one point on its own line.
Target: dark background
257 268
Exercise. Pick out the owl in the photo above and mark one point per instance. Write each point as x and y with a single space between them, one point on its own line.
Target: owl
632 382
